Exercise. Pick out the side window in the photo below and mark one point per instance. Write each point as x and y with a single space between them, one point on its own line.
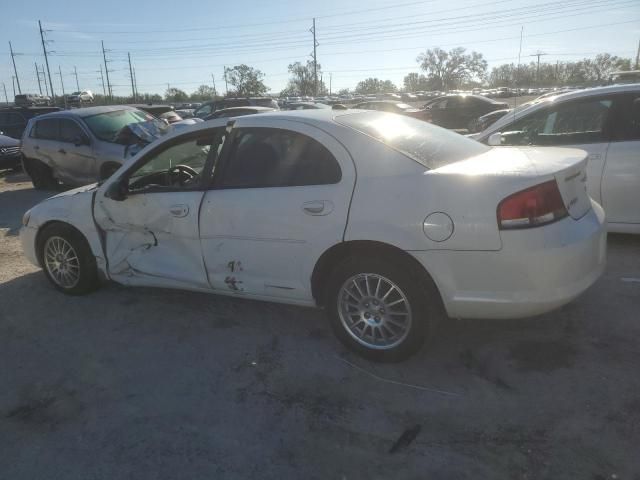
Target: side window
626 124
46 129
204 111
180 165
269 157
568 123
70 132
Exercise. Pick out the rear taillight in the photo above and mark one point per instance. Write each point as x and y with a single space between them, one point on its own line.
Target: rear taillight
532 207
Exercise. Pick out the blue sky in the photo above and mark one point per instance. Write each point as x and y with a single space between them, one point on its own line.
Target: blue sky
183 43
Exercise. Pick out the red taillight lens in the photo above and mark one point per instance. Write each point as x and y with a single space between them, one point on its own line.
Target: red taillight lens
532 207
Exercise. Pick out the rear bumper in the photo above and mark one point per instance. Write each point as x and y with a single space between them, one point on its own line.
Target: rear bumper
537 270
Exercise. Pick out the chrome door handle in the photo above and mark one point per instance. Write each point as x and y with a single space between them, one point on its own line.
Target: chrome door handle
317 207
179 210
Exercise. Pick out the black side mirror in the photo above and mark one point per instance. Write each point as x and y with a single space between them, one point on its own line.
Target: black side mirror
117 191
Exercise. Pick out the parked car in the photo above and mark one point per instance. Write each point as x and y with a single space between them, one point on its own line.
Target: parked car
13 120
31 100
154 109
208 108
371 215
238 112
604 122
83 145
84 96
305 106
392 107
10 154
481 123
458 111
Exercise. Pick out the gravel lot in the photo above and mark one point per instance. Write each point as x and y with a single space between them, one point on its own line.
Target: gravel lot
142 383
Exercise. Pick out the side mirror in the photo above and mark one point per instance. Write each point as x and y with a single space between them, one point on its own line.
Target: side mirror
117 191
495 139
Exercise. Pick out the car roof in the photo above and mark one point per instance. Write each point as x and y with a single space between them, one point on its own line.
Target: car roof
257 108
561 97
87 112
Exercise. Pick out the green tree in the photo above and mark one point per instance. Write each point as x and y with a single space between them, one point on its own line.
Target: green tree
302 80
375 85
246 81
173 94
203 93
414 82
448 70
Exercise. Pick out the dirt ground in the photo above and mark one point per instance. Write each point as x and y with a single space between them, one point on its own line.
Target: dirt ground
141 383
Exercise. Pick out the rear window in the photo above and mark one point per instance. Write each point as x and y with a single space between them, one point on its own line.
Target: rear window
427 144
106 126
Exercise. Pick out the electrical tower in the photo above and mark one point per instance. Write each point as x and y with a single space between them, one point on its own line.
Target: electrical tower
315 59
46 59
15 70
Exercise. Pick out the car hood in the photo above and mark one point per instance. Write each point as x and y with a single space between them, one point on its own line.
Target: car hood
8 141
75 191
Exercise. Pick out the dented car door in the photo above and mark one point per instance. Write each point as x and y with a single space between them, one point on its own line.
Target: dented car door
151 235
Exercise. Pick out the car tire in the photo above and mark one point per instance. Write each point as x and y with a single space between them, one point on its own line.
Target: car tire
361 321
41 175
67 260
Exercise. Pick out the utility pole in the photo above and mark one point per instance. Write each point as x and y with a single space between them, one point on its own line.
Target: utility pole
135 81
106 70
15 70
538 54
133 88
46 59
213 79
75 72
638 56
6 99
38 77
226 85
330 78
44 78
13 82
104 91
315 60
61 81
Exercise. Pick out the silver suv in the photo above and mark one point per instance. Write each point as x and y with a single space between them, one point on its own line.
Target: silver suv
80 146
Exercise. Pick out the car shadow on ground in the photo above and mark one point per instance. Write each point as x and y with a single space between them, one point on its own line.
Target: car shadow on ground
14 203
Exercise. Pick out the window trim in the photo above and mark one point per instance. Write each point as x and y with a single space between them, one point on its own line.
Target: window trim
34 130
226 158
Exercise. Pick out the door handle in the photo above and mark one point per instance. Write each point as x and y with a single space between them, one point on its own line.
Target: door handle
62 150
179 210
317 207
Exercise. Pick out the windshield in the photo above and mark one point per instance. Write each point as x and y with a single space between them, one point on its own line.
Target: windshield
431 146
106 126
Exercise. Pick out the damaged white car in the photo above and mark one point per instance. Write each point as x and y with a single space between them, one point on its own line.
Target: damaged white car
382 219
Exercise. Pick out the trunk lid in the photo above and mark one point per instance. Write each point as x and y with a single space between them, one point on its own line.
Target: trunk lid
531 166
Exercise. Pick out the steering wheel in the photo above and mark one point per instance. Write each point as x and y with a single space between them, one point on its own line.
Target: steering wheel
184 173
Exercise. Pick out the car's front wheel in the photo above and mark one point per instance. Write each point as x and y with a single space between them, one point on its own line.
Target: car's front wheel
67 260
380 309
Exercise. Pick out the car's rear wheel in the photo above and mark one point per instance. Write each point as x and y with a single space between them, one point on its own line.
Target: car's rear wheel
41 175
67 260
380 309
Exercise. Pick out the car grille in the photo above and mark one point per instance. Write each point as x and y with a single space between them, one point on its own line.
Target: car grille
9 151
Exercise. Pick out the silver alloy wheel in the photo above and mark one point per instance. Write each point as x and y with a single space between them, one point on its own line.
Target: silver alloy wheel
374 311
61 261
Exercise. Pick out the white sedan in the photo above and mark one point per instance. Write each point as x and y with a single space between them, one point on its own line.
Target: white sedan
379 218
